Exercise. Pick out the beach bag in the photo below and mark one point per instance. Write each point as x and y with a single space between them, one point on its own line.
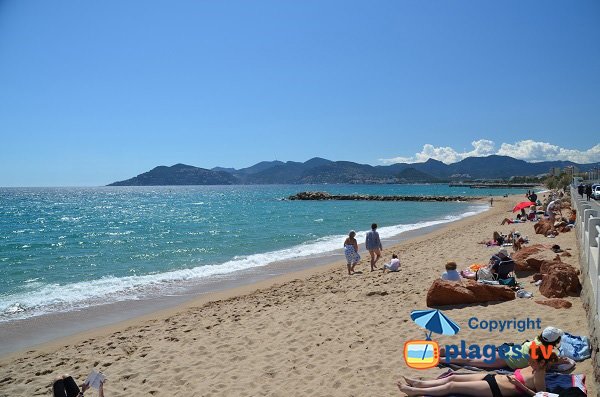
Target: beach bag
484 274
511 281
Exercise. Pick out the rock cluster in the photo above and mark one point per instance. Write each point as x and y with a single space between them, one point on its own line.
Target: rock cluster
366 197
558 278
442 293
533 257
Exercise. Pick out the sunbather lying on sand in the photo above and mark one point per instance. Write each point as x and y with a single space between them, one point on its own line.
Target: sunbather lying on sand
497 239
516 220
526 381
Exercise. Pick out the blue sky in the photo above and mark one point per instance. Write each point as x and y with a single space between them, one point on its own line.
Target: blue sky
94 92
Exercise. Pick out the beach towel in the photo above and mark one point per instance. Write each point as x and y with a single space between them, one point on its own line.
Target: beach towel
475 266
456 367
575 347
556 383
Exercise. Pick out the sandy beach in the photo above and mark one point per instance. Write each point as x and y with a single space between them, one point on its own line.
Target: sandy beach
317 332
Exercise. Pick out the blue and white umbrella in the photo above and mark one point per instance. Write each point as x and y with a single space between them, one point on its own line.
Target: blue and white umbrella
434 321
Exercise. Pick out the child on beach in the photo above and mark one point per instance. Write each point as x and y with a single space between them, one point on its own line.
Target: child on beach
451 274
351 251
394 264
526 381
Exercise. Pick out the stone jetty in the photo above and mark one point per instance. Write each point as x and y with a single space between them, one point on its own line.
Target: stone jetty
367 197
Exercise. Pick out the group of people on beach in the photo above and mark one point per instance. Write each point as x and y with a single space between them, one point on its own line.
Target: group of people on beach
373 245
529 361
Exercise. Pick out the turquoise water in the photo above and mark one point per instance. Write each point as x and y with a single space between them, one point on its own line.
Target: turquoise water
63 249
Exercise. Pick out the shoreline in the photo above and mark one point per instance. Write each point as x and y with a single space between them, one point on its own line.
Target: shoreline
314 332
48 328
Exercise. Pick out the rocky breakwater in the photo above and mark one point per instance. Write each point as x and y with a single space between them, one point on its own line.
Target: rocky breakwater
368 197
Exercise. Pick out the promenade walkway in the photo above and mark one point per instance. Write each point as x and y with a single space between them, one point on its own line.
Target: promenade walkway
587 227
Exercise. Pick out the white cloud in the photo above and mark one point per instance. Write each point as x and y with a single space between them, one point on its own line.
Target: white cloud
527 150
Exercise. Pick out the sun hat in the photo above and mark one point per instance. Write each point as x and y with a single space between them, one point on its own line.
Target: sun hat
551 334
503 251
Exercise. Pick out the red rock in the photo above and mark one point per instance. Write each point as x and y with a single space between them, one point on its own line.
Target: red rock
558 266
565 254
562 280
543 227
564 229
556 303
520 256
538 276
534 257
442 293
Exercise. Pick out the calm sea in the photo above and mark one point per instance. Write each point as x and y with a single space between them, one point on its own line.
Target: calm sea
64 249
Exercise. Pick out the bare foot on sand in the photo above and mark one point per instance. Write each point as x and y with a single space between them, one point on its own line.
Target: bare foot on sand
412 382
408 390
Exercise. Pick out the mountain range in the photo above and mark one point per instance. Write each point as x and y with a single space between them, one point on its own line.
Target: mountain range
318 170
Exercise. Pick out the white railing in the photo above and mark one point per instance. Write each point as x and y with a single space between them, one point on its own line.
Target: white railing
587 226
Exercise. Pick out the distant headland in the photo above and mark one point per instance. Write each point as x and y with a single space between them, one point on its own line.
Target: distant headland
321 171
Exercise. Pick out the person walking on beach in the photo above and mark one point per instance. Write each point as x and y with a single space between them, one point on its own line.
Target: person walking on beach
373 244
491 201
351 251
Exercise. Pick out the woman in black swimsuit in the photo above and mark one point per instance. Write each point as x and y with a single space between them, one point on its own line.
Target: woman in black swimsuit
524 382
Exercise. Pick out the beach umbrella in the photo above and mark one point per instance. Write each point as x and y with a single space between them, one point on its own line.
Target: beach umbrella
524 204
434 320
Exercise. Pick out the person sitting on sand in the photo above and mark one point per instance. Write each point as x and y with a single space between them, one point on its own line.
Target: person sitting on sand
499 264
532 214
528 380
451 274
514 358
516 239
518 219
351 251
393 266
65 386
373 244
